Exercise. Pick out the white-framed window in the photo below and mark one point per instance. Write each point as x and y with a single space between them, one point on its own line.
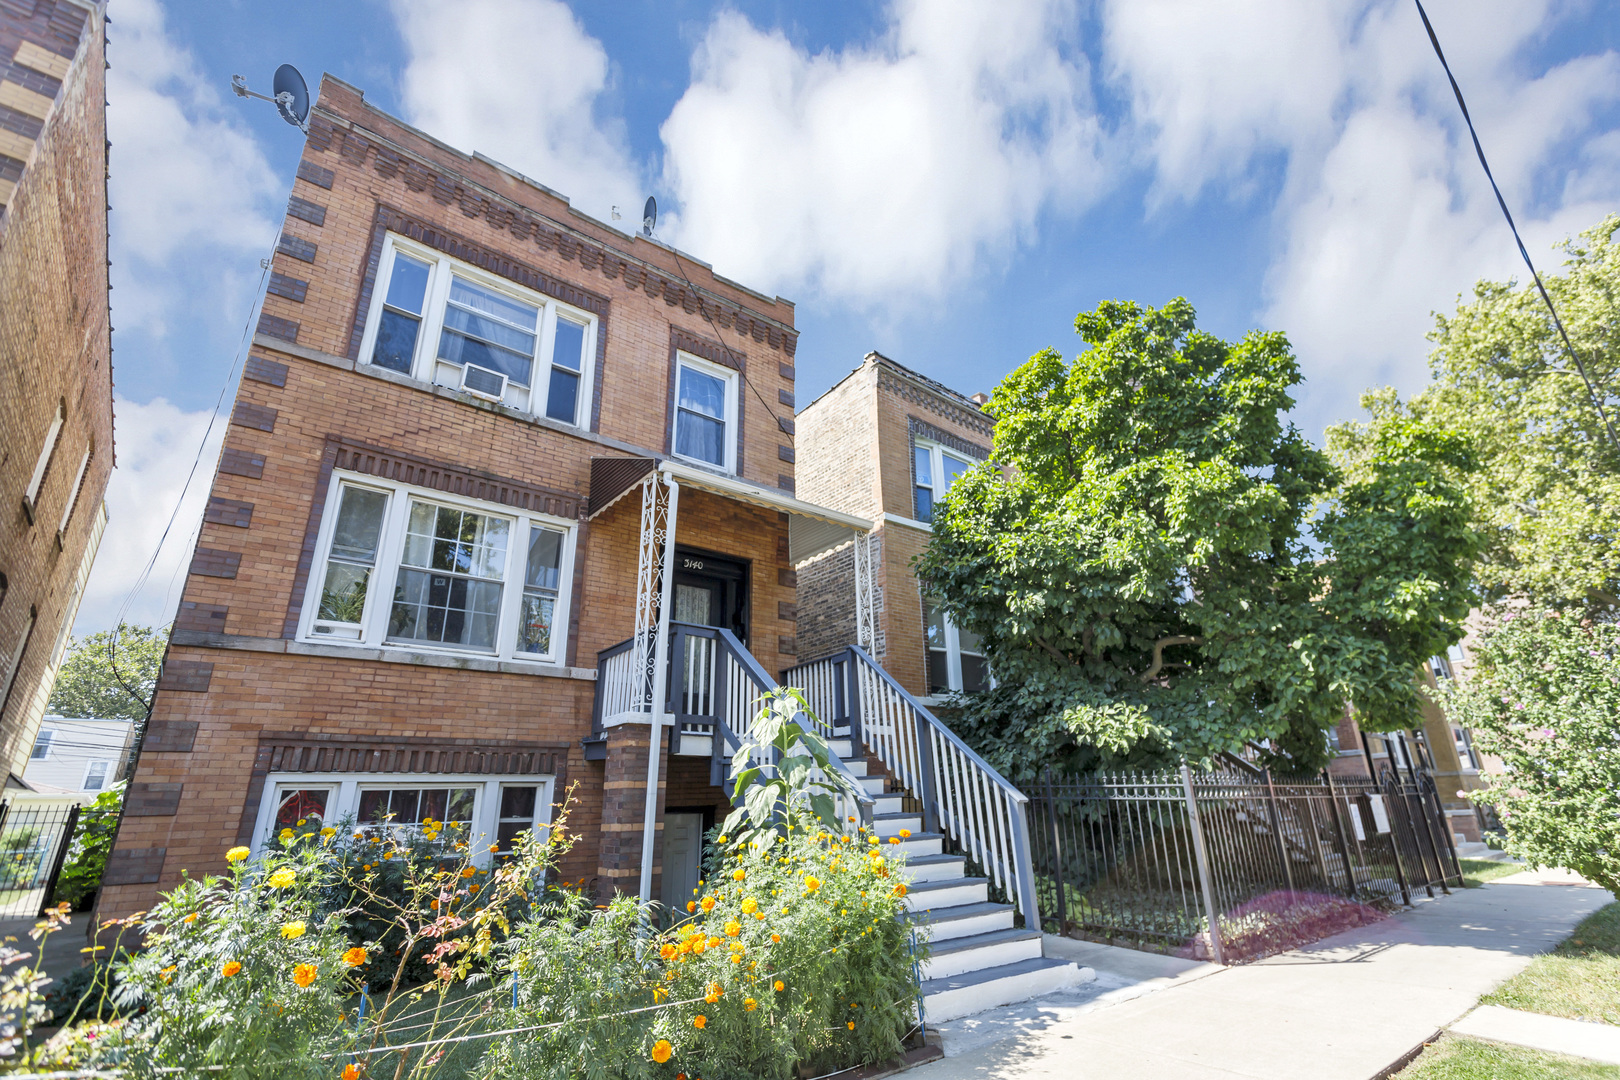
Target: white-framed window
705 412
1465 748
42 745
477 809
955 656
36 479
95 775
418 569
1440 667
936 469
446 322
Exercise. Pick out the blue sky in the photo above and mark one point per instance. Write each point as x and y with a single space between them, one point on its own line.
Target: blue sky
947 182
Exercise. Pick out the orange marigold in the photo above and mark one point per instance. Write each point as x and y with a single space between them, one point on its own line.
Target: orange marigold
733 928
707 904
852 1025
738 874
776 939
304 974
231 967
749 1004
699 1020
667 950
900 888
904 833
355 956
779 986
467 871
662 1050
351 1071
691 906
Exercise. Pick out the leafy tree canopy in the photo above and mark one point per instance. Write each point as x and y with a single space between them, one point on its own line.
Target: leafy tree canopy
1546 497
87 684
1142 563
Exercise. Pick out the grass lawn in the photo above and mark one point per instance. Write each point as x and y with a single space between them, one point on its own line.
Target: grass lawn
1456 1058
1580 979
1477 872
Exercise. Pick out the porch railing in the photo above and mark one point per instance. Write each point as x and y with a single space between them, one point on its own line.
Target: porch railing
980 813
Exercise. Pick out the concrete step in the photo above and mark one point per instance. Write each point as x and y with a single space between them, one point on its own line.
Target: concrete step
887 825
955 996
976 952
934 868
964 920
933 895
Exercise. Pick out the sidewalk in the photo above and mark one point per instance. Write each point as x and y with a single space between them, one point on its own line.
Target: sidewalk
1345 1008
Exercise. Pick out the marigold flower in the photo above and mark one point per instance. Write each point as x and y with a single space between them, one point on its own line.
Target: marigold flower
852 1025
852 821
698 945
292 930
713 941
871 839
661 1051
900 888
189 919
168 972
467 871
894 839
230 967
724 838
738 874
904 833
699 1020
282 878
750 905
237 854
304 974
434 905
351 1071
812 883
667 950
749 1004
355 956
328 832
733 928
707 904
286 834
715 990
659 994
776 939
779 986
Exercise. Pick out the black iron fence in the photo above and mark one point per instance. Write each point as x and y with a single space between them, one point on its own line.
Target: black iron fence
34 842
1225 865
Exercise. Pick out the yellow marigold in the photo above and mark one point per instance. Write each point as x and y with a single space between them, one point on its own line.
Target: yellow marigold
662 1050
812 883
667 950
733 928
237 854
189 919
905 833
713 942
304 974
871 839
724 838
659 993
691 906
467 871
749 1004
738 874
294 929
302 821
698 945
328 832
713 991
707 904
231 967
355 956
852 1025
894 839
286 834
900 888
749 905
779 986
699 1020
282 878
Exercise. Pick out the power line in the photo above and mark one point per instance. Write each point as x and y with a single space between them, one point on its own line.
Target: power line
1597 399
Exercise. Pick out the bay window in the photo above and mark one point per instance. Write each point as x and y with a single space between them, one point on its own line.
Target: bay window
705 412
442 321
935 469
413 568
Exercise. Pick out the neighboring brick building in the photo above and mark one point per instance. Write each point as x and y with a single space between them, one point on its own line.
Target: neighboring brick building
884 443
428 515
56 422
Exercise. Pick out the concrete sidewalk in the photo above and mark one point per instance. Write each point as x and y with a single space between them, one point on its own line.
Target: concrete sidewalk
1345 1008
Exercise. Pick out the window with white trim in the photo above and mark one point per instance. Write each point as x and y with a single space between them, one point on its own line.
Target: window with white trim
42 464
475 809
414 568
95 775
42 745
443 321
935 470
955 656
705 412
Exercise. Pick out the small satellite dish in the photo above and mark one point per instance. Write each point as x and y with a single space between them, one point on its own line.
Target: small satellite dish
649 216
292 96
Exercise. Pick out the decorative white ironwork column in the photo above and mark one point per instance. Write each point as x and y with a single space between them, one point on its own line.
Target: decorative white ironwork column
865 594
653 607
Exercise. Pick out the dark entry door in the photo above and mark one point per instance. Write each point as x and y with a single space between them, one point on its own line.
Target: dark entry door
711 590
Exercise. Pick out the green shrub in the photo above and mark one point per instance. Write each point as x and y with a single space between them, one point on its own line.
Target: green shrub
92 843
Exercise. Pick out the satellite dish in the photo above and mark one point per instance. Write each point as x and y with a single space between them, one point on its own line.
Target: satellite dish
649 216
292 96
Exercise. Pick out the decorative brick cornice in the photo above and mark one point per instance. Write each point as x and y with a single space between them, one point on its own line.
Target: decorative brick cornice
922 429
906 390
417 174
314 753
713 351
455 479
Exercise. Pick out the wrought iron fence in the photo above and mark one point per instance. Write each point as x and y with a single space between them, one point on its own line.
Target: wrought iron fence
1211 863
34 842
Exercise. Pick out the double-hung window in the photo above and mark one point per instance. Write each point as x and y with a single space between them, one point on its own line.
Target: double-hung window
442 321
936 469
95 775
705 412
412 568
42 746
955 656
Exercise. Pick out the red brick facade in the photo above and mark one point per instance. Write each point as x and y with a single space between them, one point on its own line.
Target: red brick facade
244 694
56 379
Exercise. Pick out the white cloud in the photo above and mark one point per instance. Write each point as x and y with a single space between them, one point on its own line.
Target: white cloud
519 81
156 444
886 171
191 192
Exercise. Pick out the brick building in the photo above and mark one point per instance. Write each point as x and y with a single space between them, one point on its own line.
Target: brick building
884 443
436 535
56 422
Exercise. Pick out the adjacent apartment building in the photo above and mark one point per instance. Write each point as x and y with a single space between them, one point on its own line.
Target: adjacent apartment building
482 446
884 443
56 421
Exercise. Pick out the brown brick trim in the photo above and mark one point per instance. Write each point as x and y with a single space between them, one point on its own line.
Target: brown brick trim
787 645
153 800
788 579
304 210
265 370
297 247
169 737
289 288
786 371
716 352
787 612
923 429
248 415
277 327
213 562
241 463
228 512
785 482
785 397
134 866
418 174
203 618
785 453
312 173
189 676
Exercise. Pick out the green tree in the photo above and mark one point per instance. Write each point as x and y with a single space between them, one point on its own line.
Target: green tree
101 679
1141 561
1544 696
1547 493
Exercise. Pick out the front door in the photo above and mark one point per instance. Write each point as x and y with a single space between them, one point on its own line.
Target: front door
683 848
711 590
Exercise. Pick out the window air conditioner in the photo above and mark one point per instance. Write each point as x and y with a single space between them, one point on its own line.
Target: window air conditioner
483 382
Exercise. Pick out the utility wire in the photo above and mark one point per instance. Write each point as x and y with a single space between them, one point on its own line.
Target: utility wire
730 353
1591 390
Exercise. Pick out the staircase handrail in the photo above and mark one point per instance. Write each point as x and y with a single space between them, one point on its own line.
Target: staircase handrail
1022 872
